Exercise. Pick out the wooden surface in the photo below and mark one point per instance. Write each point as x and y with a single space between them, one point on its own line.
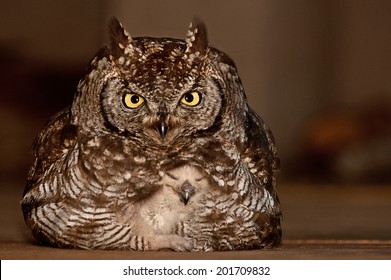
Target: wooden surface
320 222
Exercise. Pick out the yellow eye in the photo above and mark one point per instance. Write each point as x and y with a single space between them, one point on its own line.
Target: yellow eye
192 98
132 100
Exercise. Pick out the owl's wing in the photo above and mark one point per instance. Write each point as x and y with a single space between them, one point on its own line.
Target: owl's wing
263 164
52 142
261 145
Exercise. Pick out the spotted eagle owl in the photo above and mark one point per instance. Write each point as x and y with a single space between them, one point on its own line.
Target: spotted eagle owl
159 150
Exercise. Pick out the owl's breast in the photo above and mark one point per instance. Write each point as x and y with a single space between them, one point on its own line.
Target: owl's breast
117 168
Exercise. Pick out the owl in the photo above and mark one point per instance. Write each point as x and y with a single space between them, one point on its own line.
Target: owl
159 150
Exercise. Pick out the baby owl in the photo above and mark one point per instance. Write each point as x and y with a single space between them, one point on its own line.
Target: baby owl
159 150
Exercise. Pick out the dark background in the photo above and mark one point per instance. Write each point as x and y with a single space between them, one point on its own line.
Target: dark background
318 72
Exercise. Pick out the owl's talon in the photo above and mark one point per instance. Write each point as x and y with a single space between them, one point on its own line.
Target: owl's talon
185 244
172 242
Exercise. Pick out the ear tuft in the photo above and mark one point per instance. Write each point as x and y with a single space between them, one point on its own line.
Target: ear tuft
197 37
119 37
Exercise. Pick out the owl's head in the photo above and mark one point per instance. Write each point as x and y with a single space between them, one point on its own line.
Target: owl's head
159 92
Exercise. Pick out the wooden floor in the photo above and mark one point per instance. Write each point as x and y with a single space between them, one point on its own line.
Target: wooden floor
320 222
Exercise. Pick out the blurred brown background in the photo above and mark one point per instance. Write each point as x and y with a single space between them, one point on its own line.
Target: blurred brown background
318 72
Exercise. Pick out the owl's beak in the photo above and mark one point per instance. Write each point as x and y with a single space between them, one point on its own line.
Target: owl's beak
162 114
162 127
187 191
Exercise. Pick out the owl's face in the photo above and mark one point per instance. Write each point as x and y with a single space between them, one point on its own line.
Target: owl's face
158 97
188 183
156 91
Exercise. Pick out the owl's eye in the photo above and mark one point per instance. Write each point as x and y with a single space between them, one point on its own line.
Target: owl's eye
192 98
132 100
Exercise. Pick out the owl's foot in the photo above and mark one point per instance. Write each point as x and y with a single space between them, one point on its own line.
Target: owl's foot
203 246
171 242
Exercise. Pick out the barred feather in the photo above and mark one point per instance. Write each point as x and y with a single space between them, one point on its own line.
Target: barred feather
159 150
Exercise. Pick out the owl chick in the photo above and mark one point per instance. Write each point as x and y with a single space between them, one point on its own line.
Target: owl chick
163 215
159 150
